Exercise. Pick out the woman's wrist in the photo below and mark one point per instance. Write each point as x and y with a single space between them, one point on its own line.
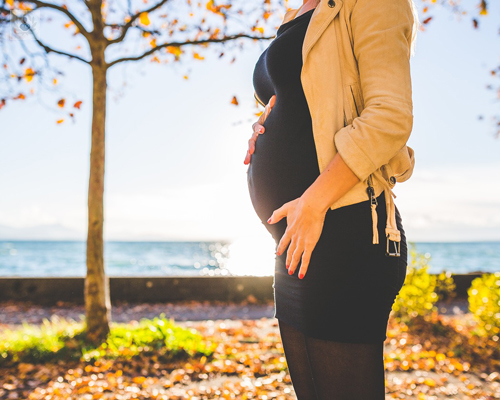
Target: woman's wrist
313 200
335 181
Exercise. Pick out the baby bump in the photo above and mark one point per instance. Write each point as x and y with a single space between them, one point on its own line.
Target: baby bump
284 163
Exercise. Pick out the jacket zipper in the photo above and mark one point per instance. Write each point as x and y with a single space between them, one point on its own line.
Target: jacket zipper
371 191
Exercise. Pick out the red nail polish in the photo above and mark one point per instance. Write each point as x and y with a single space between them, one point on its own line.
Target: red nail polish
290 272
269 221
301 276
287 266
279 254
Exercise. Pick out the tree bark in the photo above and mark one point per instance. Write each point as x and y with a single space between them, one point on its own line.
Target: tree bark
97 298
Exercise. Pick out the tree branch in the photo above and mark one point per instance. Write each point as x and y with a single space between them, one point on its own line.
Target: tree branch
42 4
49 49
178 44
134 18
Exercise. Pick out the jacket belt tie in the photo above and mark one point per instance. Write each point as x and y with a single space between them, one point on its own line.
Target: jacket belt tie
391 230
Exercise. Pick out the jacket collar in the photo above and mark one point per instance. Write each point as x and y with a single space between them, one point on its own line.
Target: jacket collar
320 19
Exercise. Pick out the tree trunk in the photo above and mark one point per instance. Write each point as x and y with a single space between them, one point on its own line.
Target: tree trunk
97 298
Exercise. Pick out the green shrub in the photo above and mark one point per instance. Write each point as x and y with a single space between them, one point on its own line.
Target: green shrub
65 340
484 303
421 289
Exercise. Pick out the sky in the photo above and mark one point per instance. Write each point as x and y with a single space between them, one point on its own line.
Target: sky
175 147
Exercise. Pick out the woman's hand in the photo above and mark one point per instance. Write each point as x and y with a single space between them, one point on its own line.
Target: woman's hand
304 226
258 129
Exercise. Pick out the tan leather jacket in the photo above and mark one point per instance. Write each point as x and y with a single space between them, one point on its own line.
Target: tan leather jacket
357 83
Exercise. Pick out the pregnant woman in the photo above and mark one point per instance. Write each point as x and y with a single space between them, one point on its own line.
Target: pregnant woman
333 287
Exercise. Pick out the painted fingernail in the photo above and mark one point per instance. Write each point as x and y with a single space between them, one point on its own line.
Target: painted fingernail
290 272
301 276
287 266
269 221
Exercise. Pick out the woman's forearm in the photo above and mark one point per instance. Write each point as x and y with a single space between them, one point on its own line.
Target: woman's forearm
335 181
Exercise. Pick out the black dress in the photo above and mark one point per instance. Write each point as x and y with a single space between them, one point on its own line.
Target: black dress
350 285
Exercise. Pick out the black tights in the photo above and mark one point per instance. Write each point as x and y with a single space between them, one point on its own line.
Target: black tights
328 370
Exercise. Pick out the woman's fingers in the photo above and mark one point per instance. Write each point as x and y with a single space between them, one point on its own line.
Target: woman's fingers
258 128
306 257
297 250
247 158
251 145
272 100
283 244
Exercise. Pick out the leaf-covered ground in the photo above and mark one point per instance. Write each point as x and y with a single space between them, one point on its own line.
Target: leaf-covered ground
439 358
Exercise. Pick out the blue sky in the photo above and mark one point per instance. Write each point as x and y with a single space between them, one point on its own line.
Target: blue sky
175 147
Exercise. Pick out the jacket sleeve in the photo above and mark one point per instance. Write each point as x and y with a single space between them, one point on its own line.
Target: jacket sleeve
381 33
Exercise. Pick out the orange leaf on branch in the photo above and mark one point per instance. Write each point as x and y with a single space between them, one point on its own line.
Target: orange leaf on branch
28 74
144 18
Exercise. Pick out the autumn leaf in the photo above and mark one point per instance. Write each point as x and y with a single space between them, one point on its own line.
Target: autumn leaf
153 43
24 7
176 50
144 18
483 8
20 96
2 103
61 102
198 57
234 101
77 104
60 121
427 20
54 81
10 3
28 74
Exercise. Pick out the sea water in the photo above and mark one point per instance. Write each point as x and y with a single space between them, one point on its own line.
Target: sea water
67 258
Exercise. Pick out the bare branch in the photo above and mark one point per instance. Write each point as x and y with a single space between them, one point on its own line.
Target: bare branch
134 18
178 44
49 49
42 4
140 28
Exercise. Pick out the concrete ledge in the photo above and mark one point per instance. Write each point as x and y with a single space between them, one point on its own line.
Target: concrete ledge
48 291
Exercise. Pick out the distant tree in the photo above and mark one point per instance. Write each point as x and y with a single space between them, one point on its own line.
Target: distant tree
103 34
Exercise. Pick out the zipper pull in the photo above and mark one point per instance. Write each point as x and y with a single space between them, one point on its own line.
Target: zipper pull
371 192
373 205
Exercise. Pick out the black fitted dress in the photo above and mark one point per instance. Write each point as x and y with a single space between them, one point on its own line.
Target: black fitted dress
350 285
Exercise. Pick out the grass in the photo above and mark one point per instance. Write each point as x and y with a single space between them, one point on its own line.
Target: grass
62 340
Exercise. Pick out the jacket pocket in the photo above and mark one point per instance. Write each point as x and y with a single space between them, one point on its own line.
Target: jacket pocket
353 100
